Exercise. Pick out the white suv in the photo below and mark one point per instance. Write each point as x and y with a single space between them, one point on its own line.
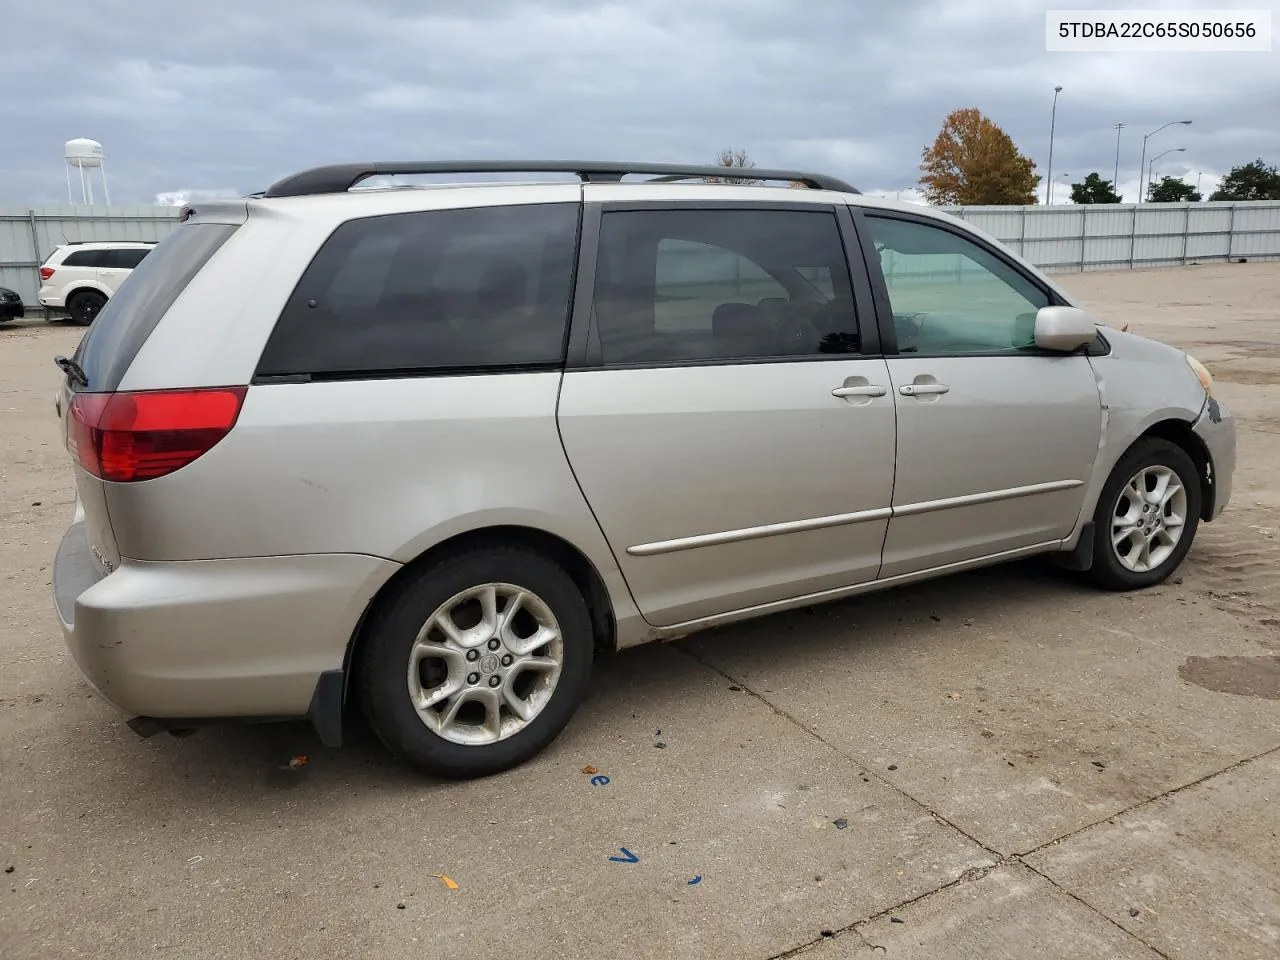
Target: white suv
79 278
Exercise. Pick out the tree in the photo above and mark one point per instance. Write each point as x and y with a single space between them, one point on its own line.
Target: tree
1094 190
1172 190
1252 181
973 161
733 158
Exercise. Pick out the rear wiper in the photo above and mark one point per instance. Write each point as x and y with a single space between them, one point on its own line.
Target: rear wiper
75 373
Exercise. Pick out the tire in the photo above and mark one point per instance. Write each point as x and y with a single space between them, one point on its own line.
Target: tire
486 734
1143 465
85 305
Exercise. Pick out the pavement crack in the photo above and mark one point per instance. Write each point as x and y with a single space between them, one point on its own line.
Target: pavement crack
865 770
1089 906
1172 791
826 937
855 928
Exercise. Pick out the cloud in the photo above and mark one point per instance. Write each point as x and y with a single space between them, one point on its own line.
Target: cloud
182 95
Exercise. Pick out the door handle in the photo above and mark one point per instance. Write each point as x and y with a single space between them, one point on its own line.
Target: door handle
922 389
868 390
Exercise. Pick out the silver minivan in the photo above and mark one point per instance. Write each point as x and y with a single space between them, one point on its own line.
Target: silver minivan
427 451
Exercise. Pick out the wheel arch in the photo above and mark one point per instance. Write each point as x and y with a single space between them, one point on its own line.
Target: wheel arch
77 290
1181 434
556 549
85 287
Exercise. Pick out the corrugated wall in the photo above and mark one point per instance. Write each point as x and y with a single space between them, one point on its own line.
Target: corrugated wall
1058 238
1072 238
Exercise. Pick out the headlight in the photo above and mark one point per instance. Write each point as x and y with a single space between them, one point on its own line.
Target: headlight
1202 373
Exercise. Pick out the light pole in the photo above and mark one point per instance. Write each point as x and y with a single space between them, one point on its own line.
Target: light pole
1053 118
1115 179
1142 187
1152 164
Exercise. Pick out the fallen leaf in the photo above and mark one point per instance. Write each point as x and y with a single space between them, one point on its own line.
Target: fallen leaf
589 770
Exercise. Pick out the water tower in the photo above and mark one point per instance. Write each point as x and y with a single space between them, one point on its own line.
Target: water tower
83 154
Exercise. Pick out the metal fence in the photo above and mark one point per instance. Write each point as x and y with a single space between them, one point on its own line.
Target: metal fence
1073 238
1056 239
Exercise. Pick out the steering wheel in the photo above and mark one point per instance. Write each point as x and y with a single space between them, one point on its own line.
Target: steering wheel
909 328
797 333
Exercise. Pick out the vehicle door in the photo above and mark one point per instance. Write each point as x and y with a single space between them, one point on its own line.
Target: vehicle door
725 407
996 437
117 264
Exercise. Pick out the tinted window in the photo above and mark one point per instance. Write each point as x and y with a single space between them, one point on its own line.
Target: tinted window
118 332
85 258
125 258
690 285
950 295
479 288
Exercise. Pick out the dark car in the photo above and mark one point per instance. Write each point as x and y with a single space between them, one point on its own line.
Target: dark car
10 305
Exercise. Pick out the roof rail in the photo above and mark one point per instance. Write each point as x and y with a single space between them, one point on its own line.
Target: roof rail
341 177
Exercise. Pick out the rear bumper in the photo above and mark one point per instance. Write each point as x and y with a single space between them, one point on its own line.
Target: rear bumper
51 297
212 639
1217 428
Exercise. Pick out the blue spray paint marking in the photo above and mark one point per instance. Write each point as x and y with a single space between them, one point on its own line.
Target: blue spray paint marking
627 857
697 879
599 781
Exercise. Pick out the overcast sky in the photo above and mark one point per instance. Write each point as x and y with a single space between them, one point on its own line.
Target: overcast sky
235 94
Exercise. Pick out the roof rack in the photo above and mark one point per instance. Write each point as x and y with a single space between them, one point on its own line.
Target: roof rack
341 177
81 243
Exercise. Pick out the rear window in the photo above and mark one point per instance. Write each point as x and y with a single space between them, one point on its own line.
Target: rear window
440 291
120 330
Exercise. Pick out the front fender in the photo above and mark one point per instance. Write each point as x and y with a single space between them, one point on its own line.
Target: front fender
1141 383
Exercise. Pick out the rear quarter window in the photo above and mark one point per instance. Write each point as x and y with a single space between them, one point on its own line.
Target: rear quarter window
120 330
438 291
85 258
125 258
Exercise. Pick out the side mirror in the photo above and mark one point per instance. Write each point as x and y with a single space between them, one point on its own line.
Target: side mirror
1064 329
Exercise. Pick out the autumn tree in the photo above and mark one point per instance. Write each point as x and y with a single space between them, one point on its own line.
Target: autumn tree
1251 181
1093 189
973 161
1172 190
736 159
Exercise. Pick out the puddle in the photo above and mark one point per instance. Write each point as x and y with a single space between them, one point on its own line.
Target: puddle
1242 676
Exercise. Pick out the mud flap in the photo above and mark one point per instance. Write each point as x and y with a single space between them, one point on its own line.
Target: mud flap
325 712
1081 557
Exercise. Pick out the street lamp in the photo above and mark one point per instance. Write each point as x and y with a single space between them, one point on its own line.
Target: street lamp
1142 187
1151 165
1115 179
1053 117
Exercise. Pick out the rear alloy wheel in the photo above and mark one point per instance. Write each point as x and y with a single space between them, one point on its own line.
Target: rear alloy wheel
476 664
1147 516
85 306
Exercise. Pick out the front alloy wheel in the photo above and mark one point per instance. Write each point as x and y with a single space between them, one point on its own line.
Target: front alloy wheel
1146 517
1149 518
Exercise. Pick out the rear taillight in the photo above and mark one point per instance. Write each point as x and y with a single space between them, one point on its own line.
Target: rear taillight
125 437
46 273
